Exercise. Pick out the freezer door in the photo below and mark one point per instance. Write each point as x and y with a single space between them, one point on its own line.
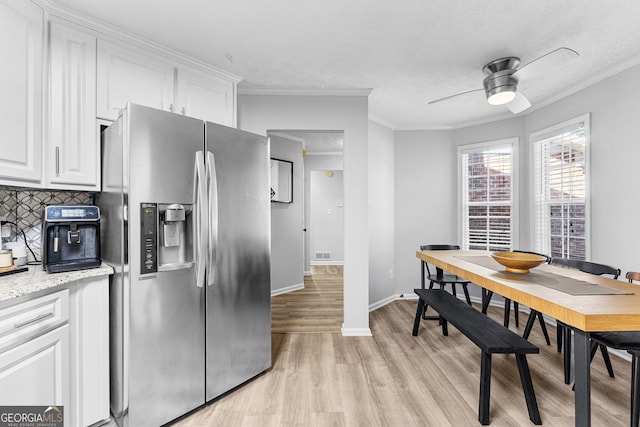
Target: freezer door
238 311
166 307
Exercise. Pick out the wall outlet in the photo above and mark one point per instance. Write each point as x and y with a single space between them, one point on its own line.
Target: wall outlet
4 230
390 274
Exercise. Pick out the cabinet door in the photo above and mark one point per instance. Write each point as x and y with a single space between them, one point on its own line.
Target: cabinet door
126 75
21 44
206 97
73 155
37 372
89 323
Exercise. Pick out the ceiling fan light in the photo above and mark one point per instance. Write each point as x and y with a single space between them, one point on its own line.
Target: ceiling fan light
501 95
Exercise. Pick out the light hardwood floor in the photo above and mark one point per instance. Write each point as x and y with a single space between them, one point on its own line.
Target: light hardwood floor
320 378
316 308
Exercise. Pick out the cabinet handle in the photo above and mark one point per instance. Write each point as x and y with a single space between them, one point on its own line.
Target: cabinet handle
30 321
57 161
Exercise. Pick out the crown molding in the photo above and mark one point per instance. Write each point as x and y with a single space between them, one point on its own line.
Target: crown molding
286 136
114 34
382 122
324 153
304 92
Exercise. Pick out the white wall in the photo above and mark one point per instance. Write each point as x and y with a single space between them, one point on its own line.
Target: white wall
317 163
381 215
426 175
326 219
287 262
259 113
425 199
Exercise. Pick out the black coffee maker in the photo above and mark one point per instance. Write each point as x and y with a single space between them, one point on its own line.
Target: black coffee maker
70 238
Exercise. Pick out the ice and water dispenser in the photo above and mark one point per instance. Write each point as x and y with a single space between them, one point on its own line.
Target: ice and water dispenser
166 237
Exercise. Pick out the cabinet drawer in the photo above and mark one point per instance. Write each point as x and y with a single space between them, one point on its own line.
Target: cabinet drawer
23 321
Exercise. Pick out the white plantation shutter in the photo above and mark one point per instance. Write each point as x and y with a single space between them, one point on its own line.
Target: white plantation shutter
560 195
487 193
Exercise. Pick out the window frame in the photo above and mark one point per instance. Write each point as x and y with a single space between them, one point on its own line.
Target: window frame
547 133
513 142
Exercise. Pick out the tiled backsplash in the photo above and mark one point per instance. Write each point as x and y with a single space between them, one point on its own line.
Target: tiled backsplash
25 207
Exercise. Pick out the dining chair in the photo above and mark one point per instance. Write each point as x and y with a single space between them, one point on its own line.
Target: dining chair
630 342
632 275
441 278
507 305
563 332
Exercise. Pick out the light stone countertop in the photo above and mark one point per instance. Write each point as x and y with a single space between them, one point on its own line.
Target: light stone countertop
36 280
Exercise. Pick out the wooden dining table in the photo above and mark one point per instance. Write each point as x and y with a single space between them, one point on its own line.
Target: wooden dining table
585 302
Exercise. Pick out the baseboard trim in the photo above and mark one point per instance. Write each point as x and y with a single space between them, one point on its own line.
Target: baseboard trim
356 332
327 263
382 303
287 289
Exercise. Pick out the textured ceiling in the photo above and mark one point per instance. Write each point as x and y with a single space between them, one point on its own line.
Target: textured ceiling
408 52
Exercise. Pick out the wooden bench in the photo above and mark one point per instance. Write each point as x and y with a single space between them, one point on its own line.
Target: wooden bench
490 336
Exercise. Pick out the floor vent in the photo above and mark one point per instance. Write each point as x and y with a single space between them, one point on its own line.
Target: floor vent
323 256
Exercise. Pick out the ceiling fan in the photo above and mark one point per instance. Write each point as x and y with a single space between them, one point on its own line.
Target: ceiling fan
503 76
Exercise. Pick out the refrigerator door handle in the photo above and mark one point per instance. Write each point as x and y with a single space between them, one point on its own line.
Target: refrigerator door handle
200 219
213 217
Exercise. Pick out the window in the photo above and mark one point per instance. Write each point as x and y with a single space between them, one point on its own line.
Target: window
560 193
487 183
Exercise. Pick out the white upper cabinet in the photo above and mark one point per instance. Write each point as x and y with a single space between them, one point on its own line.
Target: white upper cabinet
205 97
127 75
21 77
72 147
65 73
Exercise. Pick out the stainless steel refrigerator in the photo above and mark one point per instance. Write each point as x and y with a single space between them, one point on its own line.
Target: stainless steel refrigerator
186 226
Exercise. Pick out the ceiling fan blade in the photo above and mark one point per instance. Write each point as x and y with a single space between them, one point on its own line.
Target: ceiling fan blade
545 63
519 103
453 96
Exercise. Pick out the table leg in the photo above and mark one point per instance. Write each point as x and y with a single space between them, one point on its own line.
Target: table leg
582 376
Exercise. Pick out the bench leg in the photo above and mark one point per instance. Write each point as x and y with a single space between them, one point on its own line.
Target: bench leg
426 306
416 324
527 387
485 388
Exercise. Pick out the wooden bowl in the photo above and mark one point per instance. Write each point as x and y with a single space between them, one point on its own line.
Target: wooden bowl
518 262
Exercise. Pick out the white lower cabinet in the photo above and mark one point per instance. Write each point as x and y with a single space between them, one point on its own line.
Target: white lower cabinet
37 372
89 356
54 350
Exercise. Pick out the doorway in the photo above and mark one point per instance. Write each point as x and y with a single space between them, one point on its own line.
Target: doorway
320 153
